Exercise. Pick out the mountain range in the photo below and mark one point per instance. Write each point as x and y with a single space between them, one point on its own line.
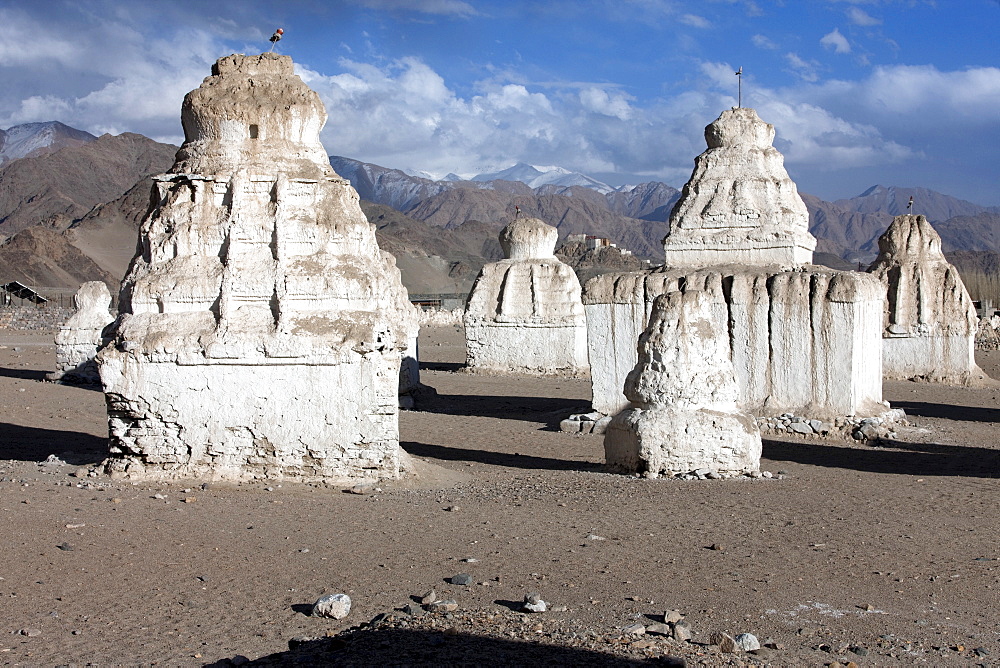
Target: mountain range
71 204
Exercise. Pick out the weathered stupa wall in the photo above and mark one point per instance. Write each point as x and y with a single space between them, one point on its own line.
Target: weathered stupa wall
803 339
260 327
683 413
930 320
79 338
524 313
806 343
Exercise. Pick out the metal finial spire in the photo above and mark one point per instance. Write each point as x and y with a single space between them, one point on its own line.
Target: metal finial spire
739 87
275 38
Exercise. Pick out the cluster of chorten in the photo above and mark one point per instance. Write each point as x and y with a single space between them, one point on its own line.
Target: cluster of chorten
262 333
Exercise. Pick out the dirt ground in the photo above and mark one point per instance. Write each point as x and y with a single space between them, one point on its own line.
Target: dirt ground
883 555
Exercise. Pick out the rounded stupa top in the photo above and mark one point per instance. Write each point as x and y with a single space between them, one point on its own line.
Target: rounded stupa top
529 238
739 126
253 113
910 238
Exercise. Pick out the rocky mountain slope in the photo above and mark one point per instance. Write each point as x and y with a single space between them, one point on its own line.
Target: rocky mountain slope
56 189
71 214
35 139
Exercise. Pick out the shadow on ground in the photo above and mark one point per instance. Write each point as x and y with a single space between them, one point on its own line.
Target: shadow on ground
550 411
31 444
374 646
442 366
948 411
510 460
891 456
22 374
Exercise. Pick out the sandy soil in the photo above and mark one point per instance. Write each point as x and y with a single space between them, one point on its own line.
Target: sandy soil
881 555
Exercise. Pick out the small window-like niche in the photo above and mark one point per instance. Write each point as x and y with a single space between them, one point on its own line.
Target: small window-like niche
254 131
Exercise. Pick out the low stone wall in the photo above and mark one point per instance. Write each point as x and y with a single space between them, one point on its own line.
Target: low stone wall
34 318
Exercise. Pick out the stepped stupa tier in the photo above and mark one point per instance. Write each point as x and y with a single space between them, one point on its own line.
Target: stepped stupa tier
524 313
739 207
260 327
930 321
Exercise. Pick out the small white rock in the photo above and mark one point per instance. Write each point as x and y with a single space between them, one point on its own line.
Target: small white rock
334 606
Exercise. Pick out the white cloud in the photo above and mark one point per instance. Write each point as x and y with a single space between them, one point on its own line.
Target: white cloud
103 75
762 42
598 100
804 69
439 7
695 21
836 41
860 17
919 96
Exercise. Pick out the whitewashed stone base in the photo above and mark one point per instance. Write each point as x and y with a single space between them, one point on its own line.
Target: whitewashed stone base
714 253
803 342
332 423
523 347
669 441
936 358
75 351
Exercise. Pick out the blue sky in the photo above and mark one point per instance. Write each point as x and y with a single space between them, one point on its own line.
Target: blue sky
897 92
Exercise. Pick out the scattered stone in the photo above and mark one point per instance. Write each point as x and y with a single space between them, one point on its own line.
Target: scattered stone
672 617
659 629
461 579
570 425
31 633
533 603
593 536
363 488
801 427
558 608
726 642
601 426
682 631
717 547
334 606
429 597
636 629
65 547
747 642
82 472
446 605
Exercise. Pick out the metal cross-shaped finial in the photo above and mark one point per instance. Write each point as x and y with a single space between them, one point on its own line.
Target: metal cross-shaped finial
739 87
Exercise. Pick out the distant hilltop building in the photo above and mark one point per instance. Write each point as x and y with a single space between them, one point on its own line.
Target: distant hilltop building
591 242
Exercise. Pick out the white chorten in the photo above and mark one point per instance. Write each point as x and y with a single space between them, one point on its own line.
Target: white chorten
260 327
930 321
524 313
683 414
